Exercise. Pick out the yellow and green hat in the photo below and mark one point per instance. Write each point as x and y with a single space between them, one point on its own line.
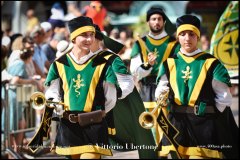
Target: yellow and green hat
80 25
188 22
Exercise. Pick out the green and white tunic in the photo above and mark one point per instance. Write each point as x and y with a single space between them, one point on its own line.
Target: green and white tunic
194 80
163 46
84 87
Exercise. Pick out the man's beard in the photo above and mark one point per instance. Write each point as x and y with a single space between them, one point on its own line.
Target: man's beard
156 30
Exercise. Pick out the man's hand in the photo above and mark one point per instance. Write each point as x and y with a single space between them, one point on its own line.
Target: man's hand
163 99
58 108
151 58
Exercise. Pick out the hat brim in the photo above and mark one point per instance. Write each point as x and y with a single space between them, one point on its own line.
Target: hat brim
60 54
169 27
112 44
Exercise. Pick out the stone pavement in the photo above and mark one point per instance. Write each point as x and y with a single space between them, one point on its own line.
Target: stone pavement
123 155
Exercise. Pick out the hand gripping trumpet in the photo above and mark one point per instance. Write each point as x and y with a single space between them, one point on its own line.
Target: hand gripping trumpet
147 119
38 101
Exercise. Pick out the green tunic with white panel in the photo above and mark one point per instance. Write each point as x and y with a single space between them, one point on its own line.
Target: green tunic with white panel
82 90
190 82
163 48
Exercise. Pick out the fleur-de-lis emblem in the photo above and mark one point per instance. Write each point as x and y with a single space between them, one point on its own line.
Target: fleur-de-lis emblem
78 84
187 75
155 52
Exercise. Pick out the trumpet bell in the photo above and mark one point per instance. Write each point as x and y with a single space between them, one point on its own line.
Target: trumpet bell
38 100
147 120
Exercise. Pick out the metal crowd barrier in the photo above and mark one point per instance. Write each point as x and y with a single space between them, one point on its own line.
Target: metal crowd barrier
23 93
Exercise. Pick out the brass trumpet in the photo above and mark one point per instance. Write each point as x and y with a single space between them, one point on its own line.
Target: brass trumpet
148 120
38 101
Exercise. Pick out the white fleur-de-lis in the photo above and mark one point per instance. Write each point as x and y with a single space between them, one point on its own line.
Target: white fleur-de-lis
187 75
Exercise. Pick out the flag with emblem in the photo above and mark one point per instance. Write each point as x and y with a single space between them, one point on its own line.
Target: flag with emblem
224 42
169 131
43 131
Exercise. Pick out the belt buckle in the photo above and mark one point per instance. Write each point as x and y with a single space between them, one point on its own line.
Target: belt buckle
195 109
69 118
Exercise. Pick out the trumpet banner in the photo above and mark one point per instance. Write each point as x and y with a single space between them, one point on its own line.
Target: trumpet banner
169 131
43 131
224 42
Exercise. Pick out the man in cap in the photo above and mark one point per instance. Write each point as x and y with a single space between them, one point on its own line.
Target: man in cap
88 91
50 48
199 99
40 60
47 27
148 53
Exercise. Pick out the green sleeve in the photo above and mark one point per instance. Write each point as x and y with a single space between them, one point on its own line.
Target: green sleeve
110 76
118 66
135 50
220 73
52 74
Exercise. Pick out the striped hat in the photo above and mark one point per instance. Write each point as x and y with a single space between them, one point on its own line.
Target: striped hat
80 25
188 22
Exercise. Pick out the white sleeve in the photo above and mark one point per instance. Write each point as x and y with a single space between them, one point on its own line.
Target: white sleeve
162 86
137 70
223 95
53 91
110 93
126 84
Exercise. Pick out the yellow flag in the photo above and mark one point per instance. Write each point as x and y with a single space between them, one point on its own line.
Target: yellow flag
224 42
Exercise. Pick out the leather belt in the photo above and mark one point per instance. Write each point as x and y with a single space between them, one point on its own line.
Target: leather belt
189 109
74 117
